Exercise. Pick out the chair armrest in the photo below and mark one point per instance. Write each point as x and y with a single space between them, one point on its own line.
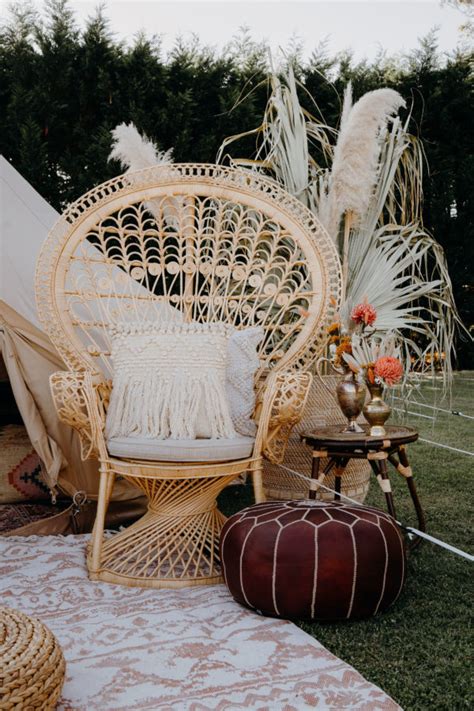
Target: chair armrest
82 403
281 408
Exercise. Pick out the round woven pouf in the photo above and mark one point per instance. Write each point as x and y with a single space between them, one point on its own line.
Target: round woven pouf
313 560
32 664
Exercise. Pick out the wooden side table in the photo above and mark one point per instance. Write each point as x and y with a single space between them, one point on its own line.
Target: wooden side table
340 447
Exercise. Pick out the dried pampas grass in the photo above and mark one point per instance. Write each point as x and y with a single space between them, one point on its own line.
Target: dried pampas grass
356 155
136 151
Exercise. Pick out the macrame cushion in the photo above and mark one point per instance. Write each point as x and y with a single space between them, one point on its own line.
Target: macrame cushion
242 364
169 382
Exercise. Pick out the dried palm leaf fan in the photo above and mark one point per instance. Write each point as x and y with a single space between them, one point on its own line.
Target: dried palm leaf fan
389 259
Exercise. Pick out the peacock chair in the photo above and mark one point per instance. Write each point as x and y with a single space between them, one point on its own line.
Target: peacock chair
218 245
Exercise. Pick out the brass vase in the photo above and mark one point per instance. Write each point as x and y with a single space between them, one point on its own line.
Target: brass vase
351 397
376 412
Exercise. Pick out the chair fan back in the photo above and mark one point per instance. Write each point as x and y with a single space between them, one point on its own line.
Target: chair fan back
189 242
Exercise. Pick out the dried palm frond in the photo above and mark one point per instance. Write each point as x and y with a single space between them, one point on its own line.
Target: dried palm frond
367 350
396 265
284 141
388 257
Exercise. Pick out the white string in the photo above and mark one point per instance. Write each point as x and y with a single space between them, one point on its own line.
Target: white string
415 531
417 414
432 407
446 446
437 542
322 486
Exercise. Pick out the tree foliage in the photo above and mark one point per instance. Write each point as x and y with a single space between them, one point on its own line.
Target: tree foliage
63 89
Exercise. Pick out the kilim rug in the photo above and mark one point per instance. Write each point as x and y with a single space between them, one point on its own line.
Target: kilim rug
192 649
17 515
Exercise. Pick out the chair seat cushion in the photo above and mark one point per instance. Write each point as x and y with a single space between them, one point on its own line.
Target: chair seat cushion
181 450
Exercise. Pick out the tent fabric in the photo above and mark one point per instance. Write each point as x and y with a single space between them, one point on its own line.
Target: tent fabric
30 359
25 220
29 356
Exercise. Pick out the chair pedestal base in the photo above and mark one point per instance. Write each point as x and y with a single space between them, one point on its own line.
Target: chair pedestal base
175 544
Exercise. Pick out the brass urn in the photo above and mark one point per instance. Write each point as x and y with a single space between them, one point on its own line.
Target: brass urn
376 411
350 394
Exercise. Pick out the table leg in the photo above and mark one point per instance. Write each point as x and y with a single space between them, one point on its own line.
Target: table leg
314 476
404 468
341 464
378 462
386 487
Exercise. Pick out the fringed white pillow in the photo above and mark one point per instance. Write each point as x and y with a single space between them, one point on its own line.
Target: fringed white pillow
242 364
169 382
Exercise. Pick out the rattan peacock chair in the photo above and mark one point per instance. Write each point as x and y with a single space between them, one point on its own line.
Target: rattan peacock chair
219 245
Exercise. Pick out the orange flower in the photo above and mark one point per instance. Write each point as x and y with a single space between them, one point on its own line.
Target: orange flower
364 313
345 346
388 369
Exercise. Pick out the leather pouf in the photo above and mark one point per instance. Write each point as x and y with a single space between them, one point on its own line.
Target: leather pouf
313 560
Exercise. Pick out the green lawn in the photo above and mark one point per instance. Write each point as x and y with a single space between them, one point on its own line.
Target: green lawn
420 650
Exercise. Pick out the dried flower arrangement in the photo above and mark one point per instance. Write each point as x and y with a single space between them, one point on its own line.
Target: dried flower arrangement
368 195
371 356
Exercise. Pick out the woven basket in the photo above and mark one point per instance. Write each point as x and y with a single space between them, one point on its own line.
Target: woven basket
321 409
32 665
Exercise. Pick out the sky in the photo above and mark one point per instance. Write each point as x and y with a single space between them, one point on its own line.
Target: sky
363 27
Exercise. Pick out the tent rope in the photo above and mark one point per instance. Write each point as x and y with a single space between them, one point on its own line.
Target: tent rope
447 446
409 529
416 414
431 407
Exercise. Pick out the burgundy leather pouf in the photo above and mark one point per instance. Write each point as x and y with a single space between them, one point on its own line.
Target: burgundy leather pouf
313 560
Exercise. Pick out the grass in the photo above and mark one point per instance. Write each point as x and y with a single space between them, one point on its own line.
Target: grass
420 650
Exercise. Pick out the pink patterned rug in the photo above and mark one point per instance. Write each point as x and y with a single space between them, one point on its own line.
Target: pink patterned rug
171 650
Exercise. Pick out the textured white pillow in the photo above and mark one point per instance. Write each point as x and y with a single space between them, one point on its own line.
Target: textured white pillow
242 364
169 382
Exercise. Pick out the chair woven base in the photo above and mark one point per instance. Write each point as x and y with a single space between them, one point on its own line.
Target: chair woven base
175 544
321 409
32 665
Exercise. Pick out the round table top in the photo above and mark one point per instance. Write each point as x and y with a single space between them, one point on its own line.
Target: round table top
333 436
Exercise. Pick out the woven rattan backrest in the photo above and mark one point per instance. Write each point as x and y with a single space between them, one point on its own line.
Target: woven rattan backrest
195 242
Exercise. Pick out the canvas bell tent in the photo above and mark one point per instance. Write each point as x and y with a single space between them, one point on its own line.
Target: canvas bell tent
27 356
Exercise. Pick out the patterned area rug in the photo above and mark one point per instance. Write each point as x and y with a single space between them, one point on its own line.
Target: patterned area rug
193 649
17 515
